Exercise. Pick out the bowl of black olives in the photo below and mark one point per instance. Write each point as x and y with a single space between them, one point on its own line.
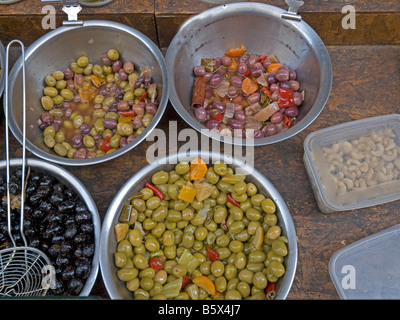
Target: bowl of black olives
60 219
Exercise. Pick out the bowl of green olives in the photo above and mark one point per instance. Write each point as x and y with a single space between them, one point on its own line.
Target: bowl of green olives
192 226
95 92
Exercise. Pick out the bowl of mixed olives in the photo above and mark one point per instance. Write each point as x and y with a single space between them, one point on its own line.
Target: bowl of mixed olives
60 219
264 79
198 226
94 92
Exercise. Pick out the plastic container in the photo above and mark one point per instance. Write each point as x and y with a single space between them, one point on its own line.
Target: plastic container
356 164
368 268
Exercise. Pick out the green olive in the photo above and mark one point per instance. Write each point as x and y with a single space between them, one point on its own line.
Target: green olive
58 75
127 274
220 168
49 141
160 177
114 141
50 91
113 54
60 149
233 295
140 261
50 81
89 142
217 268
82 61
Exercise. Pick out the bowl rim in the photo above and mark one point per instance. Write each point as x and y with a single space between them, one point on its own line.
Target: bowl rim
74 183
259 9
123 193
2 66
163 100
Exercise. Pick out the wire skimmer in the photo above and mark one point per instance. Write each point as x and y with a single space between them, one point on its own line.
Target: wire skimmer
23 269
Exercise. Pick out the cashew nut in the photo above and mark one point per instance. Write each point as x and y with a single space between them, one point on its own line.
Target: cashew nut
364 167
390 155
346 146
357 155
376 137
349 183
378 151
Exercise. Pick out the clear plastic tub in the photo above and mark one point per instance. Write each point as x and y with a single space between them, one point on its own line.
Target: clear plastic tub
356 164
368 268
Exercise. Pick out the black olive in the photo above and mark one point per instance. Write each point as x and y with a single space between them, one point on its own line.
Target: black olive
38 214
34 199
45 206
65 206
58 187
54 250
86 228
70 232
35 243
83 216
62 260
82 270
43 191
75 286
56 198
80 238
66 247
58 238
88 250
46 180
68 273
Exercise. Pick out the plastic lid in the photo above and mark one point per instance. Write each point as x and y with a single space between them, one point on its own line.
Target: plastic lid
368 268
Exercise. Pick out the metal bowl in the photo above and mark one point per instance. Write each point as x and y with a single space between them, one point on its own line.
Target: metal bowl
117 289
56 50
2 67
72 182
263 29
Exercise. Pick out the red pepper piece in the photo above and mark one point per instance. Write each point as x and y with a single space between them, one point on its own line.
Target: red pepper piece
157 263
262 59
217 116
286 98
143 96
248 73
185 281
127 113
267 91
233 201
286 121
105 145
212 255
156 191
270 290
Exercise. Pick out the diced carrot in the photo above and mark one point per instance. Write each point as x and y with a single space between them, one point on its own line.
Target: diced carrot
273 67
249 86
235 52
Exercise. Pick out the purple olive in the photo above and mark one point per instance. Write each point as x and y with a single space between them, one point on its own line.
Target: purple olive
201 113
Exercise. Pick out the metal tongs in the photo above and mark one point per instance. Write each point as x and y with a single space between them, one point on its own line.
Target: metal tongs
23 269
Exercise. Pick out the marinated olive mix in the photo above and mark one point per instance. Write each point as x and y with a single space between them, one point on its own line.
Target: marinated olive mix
243 95
56 222
93 109
200 232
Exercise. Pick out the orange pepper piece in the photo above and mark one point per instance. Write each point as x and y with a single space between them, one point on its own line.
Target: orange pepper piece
205 283
198 169
234 65
97 81
235 52
273 67
87 93
249 86
126 119
187 194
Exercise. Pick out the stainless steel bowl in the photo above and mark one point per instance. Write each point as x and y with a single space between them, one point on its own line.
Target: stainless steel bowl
56 50
2 67
117 289
72 182
263 29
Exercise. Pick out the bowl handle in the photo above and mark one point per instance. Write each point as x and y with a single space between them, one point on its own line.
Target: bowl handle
294 6
72 8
